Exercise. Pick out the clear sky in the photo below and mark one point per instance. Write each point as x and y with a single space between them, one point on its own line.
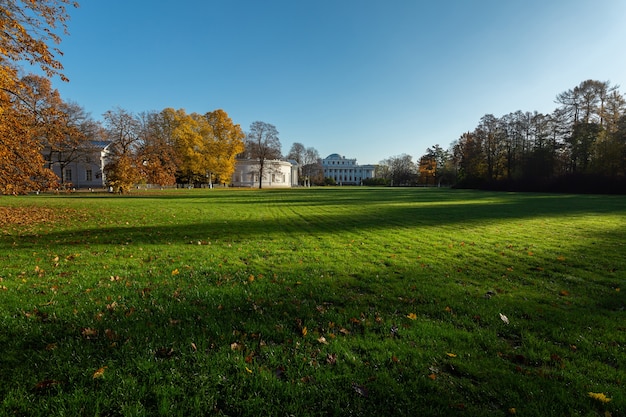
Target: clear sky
367 79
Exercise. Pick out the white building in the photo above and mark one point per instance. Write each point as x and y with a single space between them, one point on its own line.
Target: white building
85 169
346 171
276 174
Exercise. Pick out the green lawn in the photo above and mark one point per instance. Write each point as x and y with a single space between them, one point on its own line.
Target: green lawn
329 301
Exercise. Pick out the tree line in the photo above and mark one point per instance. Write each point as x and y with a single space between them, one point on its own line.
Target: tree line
580 146
38 130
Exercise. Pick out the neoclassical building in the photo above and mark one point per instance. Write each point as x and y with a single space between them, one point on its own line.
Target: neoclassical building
346 171
83 168
276 174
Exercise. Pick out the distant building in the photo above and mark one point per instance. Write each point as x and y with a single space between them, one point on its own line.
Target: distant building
85 169
276 174
346 171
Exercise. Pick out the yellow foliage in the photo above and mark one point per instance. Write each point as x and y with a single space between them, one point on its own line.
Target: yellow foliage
599 396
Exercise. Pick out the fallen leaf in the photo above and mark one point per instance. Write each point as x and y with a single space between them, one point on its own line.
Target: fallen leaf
322 340
46 384
331 358
412 316
111 334
88 332
599 396
504 318
432 376
175 272
248 370
304 331
452 355
99 373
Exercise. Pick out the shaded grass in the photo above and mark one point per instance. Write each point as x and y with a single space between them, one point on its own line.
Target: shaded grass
314 302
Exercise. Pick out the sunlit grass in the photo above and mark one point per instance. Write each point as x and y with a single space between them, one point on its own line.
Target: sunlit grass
314 302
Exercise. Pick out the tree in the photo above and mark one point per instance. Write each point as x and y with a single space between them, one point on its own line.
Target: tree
226 142
157 152
297 153
427 170
28 29
400 170
31 118
190 133
436 163
263 145
469 155
310 168
21 163
63 130
123 167
490 135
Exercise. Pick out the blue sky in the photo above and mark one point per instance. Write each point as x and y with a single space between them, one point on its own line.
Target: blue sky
366 79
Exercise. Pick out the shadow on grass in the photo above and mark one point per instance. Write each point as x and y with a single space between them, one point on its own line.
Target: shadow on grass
373 213
202 345
193 345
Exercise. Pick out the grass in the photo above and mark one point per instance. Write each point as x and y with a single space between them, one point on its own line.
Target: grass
331 301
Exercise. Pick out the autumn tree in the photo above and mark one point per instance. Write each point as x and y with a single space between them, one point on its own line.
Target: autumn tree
427 168
34 110
435 166
28 31
122 167
263 145
156 149
225 143
192 136
21 162
64 130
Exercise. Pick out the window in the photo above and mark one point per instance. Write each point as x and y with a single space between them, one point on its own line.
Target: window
89 175
68 174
